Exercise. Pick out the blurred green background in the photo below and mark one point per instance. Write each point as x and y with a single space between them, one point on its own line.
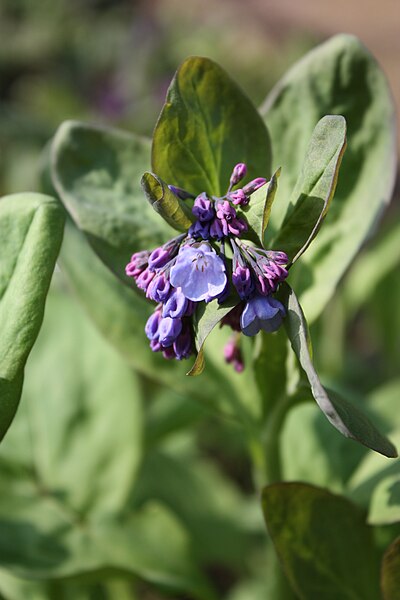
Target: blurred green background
110 62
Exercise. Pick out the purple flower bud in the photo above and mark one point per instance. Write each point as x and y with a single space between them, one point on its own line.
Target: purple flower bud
144 279
200 230
264 285
203 208
169 353
242 280
159 288
176 305
183 345
262 312
233 354
151 328
216 230
225 211
237 226
137 263
155 346
159 258
254 185
238 198
239 171
168 330
280 258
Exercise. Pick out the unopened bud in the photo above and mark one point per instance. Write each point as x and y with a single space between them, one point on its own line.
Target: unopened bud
238 173
251 187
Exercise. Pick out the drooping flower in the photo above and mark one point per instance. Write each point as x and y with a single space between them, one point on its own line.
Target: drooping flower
261 312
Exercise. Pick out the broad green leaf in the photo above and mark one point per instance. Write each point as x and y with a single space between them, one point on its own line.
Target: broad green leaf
69 464
338 77
121 316
385 502
314 188
31 229
390 574
174 210
323 542
206 127
204 500
258 211
96 172
323 457
370 270
371 472
343 415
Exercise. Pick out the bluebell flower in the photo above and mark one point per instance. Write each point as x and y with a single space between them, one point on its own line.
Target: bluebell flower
168 330
261 312
199 272
193 268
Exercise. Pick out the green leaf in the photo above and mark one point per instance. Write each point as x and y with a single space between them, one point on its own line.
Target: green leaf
96 172
338 77
206 127
385 502
174 210
372 470
343 415
204 500
323 542
390 575
323 457
258 211
371 269
31 229
314 189
69 464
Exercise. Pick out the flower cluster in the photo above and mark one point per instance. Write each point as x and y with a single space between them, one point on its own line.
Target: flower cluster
209 263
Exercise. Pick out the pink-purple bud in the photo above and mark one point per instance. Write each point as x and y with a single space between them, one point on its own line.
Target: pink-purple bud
233 354
238 197
239 171
254 185
144 279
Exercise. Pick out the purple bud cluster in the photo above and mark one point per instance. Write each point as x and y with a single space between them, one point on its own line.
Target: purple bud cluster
169 328
189 269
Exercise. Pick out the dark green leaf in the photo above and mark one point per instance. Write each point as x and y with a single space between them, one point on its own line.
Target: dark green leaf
165 203
343 415
323 457
31 229
338 77
314 189
96 172
323 542
206 126
258 211
69 464
391 572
